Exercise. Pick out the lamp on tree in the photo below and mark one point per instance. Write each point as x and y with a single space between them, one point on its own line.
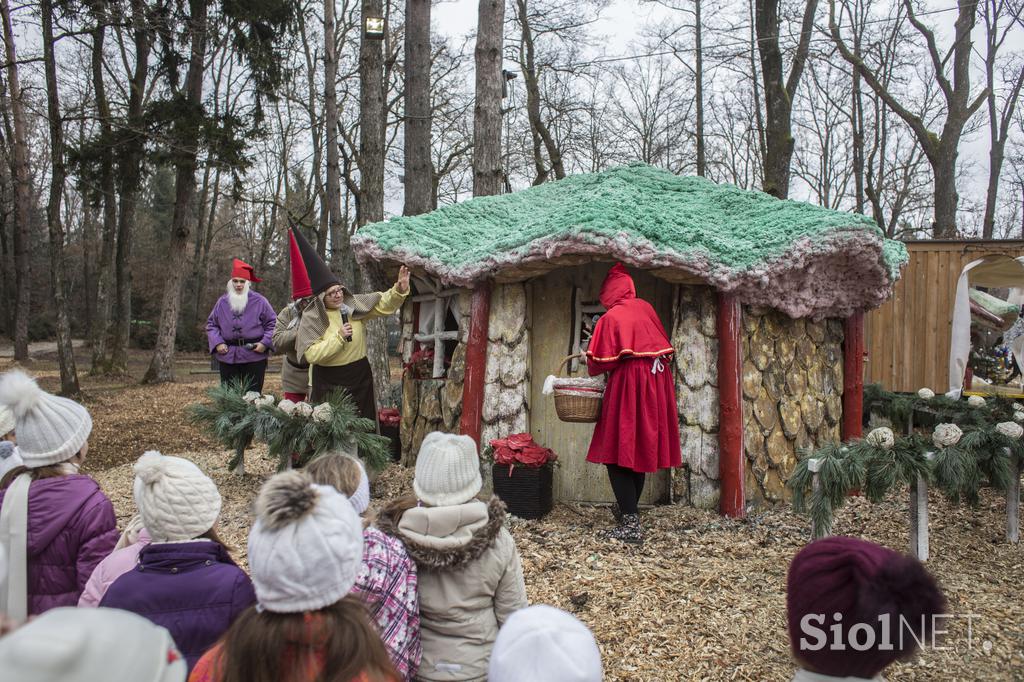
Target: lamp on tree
506 77
373 28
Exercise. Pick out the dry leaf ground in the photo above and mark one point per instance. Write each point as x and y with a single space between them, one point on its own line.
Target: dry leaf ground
703 599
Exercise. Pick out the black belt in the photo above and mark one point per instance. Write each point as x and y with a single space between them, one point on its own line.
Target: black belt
297 366
242 342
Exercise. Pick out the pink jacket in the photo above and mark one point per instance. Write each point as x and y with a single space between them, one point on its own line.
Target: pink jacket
119 562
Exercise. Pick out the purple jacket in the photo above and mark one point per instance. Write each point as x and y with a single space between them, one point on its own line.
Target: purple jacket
71 528
193 589
226 326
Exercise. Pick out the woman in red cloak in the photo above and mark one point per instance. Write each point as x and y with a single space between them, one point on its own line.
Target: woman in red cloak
638 430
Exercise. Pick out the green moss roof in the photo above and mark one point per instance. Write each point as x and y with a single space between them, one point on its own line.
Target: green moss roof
735 239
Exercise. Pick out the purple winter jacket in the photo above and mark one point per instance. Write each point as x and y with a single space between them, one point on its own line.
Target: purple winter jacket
193 589
71 528
255 324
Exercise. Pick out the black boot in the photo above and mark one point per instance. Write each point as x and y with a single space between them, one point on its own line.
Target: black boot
628 530
617 513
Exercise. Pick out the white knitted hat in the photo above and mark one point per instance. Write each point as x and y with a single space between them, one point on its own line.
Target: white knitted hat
544 644
50 429
360 499
447 470
306 547
6 420
84 645
178 502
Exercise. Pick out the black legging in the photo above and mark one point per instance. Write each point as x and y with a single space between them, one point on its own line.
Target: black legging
627 486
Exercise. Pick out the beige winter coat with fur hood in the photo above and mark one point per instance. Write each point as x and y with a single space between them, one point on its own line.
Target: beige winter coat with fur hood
470 581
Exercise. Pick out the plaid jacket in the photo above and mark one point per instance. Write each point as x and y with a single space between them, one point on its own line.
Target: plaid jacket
387 582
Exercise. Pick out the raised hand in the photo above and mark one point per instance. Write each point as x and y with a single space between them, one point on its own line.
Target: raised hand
403 280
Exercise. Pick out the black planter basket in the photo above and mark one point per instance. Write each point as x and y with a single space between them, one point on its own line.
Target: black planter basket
527 492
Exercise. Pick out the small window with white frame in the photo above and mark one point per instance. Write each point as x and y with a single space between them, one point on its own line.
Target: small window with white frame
435 330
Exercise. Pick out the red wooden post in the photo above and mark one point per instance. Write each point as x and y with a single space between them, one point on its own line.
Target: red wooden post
731 465
853 376
476 362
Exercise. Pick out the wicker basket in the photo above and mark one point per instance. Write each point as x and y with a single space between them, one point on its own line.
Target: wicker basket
527 491
578 404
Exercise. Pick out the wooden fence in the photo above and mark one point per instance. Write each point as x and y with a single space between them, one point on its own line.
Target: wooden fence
907 339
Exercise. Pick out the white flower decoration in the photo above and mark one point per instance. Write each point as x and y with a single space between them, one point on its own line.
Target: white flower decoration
975 401
882 437
1018 416
1010 430
250 397
926 393
264 400
303 409
286 406
946 435
322 413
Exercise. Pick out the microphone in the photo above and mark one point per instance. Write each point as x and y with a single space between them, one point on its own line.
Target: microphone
344 320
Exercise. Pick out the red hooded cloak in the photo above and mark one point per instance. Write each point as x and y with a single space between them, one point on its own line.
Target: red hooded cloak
639 423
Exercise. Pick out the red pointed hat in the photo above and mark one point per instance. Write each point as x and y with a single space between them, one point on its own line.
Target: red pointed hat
242 270
300 277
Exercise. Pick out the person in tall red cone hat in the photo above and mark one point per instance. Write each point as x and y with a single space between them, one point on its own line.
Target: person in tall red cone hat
294 370
637 432
332 333
240 328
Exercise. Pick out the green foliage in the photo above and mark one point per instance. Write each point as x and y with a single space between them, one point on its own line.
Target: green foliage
840 472
898 408
336 427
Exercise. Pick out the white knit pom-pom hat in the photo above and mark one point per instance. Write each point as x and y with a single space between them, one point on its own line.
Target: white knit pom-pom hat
50 429
306 546
447 470
543 644
177 501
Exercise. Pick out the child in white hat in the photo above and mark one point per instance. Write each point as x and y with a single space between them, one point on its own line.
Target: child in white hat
543 644
305 551
86 645
387 581
9 457
57 524
470 574
185 579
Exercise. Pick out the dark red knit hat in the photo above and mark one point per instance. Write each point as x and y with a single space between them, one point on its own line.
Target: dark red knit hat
862 582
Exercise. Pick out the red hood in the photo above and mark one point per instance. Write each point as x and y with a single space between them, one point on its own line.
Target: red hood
618 287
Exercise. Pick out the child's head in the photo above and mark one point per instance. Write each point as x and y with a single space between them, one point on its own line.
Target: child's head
857 586
50 429
6 424
305 553
346 475
177 501
545 644
447 470
82 645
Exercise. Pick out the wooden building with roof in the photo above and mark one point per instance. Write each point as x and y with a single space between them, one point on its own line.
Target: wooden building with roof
762 298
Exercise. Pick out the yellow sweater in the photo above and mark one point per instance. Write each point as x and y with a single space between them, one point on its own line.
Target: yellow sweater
333 351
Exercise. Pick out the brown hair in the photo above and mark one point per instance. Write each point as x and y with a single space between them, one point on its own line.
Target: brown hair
336 470
289 647
38 474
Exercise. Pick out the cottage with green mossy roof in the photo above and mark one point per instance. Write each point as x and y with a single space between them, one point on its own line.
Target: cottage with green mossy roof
763 300
805 260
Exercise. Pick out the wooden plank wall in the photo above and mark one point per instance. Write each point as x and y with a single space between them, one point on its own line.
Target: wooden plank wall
907 338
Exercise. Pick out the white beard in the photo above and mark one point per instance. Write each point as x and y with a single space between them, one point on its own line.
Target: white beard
238 301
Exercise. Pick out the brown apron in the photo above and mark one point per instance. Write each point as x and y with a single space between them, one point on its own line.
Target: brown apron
355 377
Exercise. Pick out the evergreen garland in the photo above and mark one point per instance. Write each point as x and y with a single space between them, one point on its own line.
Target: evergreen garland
332 426
898 408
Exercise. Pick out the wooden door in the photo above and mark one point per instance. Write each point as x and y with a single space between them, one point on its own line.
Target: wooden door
552 306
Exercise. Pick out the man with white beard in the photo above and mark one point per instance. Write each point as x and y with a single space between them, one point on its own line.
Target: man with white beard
240 328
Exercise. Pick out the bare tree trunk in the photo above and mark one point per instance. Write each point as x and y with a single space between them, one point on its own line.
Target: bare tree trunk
371 189
58 274
336 221
161 368
487 171
698 74
531 77
779 91
130 172
104 276
419 170
22 193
